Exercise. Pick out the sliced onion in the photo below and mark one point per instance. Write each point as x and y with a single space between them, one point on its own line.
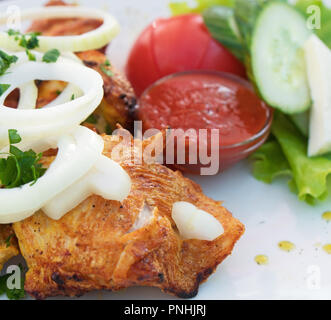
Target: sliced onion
28 96
77 154
194 223
70 90
79 169
40 123
29 91
91 40
66 95
106 178
71 56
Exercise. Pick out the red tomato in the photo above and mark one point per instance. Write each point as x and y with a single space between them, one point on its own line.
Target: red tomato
177 44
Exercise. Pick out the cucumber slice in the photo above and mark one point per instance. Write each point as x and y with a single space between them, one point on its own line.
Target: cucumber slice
278 62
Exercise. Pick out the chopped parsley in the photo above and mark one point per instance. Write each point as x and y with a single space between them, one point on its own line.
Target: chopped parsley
8 240
28 41
12 294
19 168
30 55
105 70
51 56
92 119
14 137
3 88
5 61
73 97
108 129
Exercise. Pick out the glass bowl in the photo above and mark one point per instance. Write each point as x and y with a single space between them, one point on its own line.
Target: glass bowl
228 154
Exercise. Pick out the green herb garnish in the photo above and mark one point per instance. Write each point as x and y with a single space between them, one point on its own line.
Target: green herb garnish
92 119
8 240
108 129
3 88
51 56
73 97
14 137
105 70
28 41
5 61
12 294
19 168
30 55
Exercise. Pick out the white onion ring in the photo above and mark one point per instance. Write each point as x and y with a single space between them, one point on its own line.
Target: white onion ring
65 96
70 90
82 146
79 169
106 179
28 96
29 91
91 40
39 123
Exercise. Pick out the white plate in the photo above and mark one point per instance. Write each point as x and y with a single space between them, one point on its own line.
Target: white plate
270 212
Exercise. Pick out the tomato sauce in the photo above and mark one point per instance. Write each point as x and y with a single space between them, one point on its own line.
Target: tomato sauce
205 100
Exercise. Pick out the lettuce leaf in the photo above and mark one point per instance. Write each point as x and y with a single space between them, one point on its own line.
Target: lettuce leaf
288 155
220 21
177 8
269 162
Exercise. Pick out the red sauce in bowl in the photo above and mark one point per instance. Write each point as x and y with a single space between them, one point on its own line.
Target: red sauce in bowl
208 100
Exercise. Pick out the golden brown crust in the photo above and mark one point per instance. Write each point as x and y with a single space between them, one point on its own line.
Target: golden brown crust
8 244
119 99
119 96
94 247
63 27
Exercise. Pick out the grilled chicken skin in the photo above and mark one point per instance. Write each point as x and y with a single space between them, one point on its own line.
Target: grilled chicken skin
8 244
110 245
118 99
64 26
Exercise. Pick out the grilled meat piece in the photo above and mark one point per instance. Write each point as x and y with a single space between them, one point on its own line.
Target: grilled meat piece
119 98
8 244
110 245
64 27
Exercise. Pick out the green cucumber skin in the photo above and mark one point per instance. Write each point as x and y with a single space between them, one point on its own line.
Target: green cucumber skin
286 109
